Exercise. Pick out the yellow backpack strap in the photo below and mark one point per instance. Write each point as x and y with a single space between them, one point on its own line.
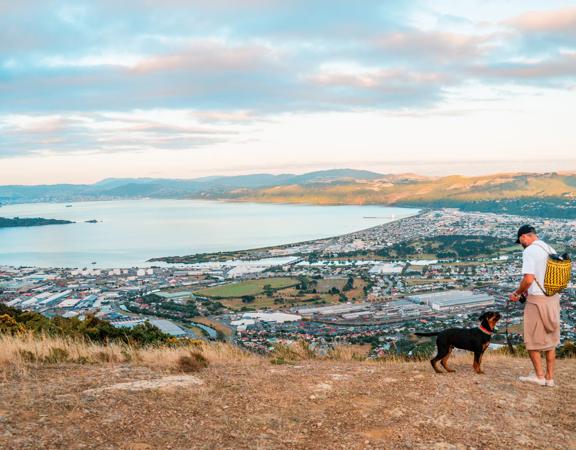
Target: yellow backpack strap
543 290
535 279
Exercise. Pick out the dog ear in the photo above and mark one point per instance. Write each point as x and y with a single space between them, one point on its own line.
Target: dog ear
483 316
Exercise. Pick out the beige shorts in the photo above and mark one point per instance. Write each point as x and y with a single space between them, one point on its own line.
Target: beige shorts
542 322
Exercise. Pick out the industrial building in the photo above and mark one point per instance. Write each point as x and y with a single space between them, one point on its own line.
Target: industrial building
166 326
386 269
447 300
333 310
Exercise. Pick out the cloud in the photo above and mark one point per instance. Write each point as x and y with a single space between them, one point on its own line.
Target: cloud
559 21
553 72
211 75
229 64
356 86
88 133
544 32
433 45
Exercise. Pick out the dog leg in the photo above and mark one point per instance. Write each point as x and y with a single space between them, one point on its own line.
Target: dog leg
444 361
434 361
480 371
442 350
476 364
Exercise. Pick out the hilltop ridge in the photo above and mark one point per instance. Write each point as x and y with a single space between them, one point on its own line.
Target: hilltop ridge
243 401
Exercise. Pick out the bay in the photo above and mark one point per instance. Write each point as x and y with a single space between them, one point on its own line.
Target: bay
129 232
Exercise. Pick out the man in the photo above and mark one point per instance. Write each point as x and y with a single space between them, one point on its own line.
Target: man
541 313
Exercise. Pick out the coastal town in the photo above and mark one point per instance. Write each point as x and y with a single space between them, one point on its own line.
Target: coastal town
372 289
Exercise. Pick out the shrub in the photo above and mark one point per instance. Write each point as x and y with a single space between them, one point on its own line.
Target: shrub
279 361
27 355
192 363
106 356
283 353
14 321
568 350
56 355
8 325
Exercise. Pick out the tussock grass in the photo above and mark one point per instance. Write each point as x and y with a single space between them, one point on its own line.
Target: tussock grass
192 363
20 352
287 353
290 353
346 353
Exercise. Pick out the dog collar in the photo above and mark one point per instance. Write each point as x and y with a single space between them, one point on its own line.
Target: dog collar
484 330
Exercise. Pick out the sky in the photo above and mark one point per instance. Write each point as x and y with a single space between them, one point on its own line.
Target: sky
187 88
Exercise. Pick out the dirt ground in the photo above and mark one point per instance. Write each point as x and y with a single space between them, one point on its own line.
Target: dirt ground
308 405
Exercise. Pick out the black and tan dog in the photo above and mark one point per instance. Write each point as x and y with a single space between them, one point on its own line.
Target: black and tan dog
475 340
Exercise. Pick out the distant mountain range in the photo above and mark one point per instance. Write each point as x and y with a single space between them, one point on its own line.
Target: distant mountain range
216 186
552 194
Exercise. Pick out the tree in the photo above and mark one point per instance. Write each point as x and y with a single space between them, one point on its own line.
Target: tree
248 298
268 290
302 283
349 284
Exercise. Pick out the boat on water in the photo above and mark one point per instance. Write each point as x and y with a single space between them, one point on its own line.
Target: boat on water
68 206
379 217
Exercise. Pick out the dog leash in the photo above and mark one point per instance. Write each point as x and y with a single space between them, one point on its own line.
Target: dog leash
510 346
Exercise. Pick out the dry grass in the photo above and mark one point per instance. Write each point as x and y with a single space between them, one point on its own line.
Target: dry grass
349 352
193 362
19 353
286 353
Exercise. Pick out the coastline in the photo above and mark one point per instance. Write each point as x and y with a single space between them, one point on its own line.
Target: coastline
289 245
143 260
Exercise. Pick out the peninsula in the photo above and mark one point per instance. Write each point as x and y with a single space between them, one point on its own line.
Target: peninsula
30 222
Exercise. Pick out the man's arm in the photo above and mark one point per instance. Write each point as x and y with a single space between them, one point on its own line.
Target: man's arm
526 282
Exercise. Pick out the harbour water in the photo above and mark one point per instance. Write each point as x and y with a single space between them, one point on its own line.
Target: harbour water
129 232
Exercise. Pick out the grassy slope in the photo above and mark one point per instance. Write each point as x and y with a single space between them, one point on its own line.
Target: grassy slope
245 402
457 188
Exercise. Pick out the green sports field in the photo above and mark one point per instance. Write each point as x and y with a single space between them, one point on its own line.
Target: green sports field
248 287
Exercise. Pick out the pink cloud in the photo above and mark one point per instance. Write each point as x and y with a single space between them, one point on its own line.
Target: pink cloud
208 57
546 21
434 45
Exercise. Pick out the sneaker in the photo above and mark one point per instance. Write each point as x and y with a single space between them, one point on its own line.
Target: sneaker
532 378
550 383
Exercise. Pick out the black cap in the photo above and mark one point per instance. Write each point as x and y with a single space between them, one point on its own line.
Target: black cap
525 229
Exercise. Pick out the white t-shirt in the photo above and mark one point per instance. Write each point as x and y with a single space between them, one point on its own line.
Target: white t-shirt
534 258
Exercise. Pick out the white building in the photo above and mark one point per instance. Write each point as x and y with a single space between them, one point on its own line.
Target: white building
386 268
440 301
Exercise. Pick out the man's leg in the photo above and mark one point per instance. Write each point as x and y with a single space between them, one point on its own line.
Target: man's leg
537 362
550 361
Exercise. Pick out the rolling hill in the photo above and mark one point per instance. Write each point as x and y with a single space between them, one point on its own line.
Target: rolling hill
547 194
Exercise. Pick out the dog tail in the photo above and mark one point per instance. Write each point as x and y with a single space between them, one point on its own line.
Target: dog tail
427 334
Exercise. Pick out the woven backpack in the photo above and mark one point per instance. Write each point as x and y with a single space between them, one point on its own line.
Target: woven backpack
557 275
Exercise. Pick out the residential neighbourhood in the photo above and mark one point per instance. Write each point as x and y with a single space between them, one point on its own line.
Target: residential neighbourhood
377 286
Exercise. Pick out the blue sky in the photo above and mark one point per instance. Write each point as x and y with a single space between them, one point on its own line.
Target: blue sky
182 88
